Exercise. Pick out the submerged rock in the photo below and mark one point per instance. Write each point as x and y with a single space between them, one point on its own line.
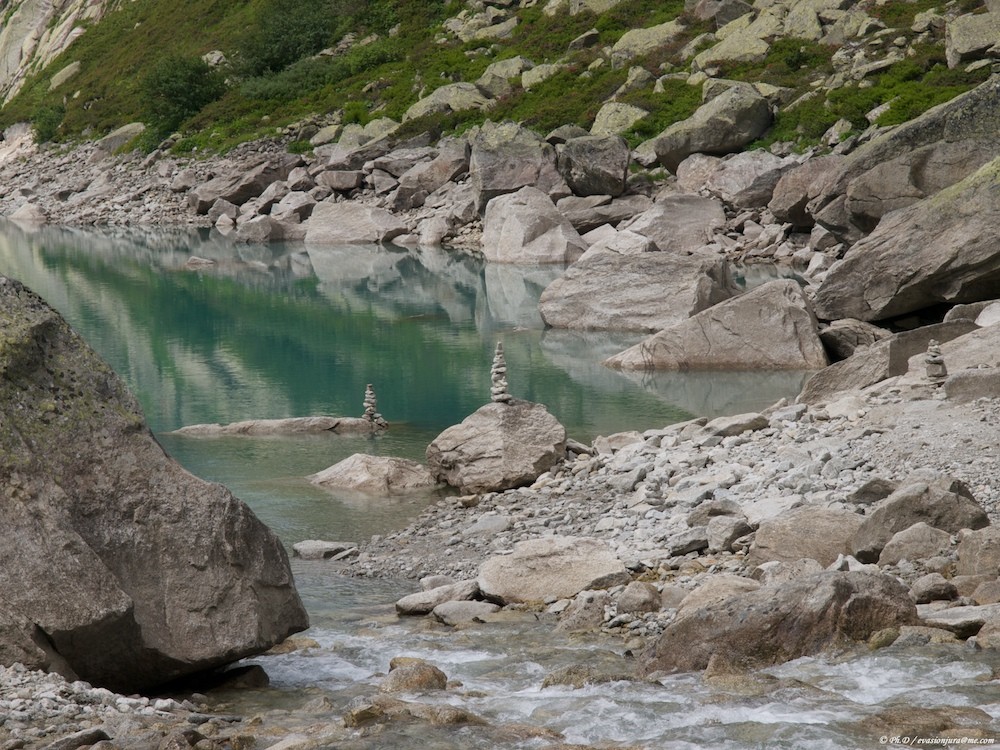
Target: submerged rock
376 475
127 571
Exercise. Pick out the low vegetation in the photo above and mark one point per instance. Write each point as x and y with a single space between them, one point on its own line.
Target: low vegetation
286 61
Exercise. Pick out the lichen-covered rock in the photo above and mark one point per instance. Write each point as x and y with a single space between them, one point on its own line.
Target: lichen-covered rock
127 571
722 125
595 165
506 158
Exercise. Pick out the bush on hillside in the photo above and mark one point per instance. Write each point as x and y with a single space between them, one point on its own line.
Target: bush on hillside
178 87
285 32
46 121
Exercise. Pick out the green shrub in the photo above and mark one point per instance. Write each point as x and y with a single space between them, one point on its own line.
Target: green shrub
677 102
46 121
177 88
285 31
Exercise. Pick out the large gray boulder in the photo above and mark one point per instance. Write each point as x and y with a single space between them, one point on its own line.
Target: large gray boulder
422 179
800 185
820 534
643 292
910 177
769 328
679 223
351 223
941 249
780 622
595 165
883 359
525 227
552 567
506 158
375 475
939 505
968 119
124 569
722 125
968 37
497 447
239 187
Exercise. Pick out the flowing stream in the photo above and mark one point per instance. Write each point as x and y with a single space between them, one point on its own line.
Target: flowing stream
267 332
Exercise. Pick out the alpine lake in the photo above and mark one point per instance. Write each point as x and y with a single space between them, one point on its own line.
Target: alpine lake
287 331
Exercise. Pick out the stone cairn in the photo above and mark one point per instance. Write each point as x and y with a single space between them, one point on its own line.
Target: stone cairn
371 409
498 378
934 363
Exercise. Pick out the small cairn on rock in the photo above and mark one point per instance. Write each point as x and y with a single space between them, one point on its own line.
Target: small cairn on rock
934 363
371 409
498 377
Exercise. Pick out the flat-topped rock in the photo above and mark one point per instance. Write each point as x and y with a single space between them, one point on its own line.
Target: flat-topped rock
375 475
287 426
556 567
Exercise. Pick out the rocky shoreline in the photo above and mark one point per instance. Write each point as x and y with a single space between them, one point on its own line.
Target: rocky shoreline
879 489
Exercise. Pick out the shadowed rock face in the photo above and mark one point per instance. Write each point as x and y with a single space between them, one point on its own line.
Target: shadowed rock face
120 567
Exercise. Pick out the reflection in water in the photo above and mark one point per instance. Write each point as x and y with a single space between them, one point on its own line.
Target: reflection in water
281 330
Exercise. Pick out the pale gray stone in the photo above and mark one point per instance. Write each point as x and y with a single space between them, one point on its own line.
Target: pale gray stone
679 223
423 602
968 37
769 328
915 544
550 567
351 223
821 534
498 447
525 227
639 597
375 475
462 613
452 97
913 503
643 292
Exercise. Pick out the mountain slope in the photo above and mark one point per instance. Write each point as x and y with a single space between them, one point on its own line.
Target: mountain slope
309 63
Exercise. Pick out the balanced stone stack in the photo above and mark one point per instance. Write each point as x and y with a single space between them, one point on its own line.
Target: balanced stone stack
498 377
371 408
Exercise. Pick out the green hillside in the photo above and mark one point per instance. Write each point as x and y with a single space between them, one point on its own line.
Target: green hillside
288 60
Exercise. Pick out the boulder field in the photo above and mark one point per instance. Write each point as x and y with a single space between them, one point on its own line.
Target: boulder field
122 568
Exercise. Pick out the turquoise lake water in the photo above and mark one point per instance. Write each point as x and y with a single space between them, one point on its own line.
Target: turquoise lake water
283 331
